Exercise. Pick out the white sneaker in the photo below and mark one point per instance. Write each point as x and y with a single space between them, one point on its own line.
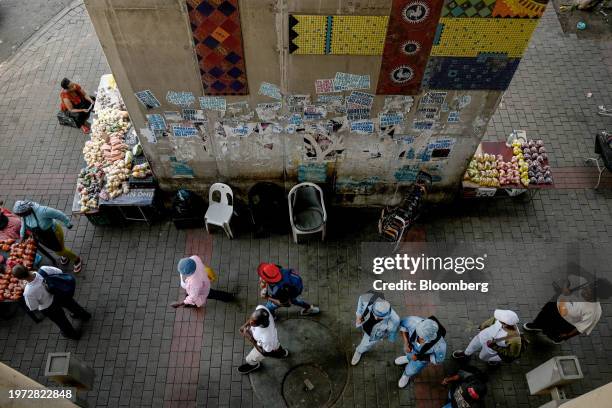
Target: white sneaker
310 311
403 381
356 358
401 360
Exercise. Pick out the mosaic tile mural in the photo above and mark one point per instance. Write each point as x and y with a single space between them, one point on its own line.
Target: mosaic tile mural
519 8
217 36
468 8
337 35
468 37
410 34
488 71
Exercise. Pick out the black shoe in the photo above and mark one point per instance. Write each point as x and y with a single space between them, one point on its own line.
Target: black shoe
83 318
529 327
247 368
74 336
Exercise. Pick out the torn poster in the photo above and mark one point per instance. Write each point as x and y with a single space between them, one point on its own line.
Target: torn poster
147 99
180 169
453 117
296 103
360 99
346 82
268 111
332 101
239 130
324 86
296 119
433 98
398 103
149 135
240 111
271 90
428 112
362 126
194 115
390 118
422 124
182 99
212 103
463 101
357 114
313 172
173 116
314 112
407 148
184 131
156 122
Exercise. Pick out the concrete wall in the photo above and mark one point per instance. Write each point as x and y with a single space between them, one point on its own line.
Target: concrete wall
148 46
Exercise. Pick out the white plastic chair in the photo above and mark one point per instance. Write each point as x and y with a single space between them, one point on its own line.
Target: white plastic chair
220 212
307 213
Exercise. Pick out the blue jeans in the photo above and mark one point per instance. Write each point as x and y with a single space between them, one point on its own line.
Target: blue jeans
298 301
448 404
414 367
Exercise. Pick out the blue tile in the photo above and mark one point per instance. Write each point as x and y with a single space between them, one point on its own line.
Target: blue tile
226 8
205 8
216 72
210 42
232 57
234 72
219 86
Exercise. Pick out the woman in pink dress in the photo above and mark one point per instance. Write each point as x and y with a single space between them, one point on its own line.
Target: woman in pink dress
195 281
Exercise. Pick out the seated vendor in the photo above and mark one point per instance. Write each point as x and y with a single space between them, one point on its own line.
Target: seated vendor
10 225
76 102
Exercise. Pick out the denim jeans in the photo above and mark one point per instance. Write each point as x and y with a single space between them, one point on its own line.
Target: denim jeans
298 301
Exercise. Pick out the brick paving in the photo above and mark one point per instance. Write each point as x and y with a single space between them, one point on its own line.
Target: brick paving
135 341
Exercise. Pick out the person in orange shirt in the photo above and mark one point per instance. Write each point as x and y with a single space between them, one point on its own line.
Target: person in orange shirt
76 101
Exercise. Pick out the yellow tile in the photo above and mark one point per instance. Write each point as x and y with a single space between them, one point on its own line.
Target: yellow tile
358 35
467 37
311 34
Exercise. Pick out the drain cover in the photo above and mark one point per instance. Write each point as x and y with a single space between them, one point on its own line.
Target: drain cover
307 386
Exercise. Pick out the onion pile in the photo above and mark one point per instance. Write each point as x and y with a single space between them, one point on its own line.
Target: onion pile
536 157
483 170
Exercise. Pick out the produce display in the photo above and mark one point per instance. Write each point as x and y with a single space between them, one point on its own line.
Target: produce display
528 165
536 159
24 253
141 171
482 170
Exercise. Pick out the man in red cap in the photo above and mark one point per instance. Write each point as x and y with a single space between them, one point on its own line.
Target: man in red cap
282 287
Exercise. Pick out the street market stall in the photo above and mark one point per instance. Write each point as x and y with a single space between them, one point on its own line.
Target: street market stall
498 170
116 176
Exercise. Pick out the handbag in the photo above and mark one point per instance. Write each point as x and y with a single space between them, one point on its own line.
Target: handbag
65 119
61 284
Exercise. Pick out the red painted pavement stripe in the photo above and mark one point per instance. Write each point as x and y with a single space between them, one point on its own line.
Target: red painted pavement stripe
184 363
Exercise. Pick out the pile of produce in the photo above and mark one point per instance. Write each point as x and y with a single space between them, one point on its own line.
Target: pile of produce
92 152
117 174
483 170
89 186
11 288
110 122
114 150
509 172
141 171
536 159
22 253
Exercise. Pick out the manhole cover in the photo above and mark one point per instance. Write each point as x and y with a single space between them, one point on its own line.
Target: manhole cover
307 386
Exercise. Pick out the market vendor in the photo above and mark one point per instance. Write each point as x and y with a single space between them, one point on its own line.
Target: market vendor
74 99
42 222
10 225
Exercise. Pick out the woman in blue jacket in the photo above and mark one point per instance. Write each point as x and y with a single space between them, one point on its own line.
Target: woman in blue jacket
42 222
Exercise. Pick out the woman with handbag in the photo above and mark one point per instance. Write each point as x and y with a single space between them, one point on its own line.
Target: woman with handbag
75 101
41 222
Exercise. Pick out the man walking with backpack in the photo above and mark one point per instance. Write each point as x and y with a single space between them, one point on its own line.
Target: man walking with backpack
282 287
50 290
499 339
423 344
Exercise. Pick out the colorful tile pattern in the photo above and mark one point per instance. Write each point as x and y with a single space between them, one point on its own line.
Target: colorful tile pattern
217 36
519 8
468 37
337 35
468 8
488 71
410 34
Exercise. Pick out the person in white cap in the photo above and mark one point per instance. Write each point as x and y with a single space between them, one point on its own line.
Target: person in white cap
499 339
423 344
377 320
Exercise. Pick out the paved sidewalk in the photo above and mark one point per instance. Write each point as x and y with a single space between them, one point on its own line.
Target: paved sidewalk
148 355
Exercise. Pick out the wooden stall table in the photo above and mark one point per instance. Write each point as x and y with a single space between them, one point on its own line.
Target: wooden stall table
139 204
474 190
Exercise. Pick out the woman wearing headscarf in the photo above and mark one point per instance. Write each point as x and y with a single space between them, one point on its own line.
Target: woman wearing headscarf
499 339
377 320
423 344
195 279
42 222
575 312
